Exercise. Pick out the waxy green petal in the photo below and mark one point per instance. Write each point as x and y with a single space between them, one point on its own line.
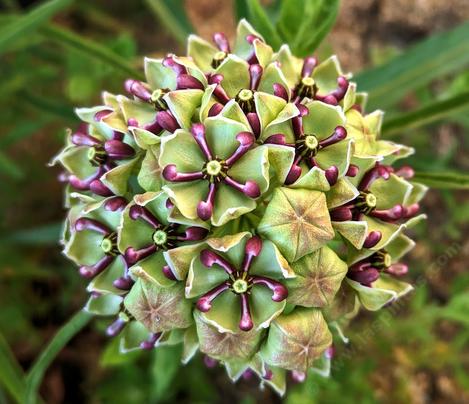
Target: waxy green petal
383 291
322 119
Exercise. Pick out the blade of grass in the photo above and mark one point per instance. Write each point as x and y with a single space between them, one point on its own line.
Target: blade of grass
29 22
427 114
241 9
432 58
48 106
9 167
43 235
443 180
323 16
11 374
64 335
23 130
91 48
173 16
261 21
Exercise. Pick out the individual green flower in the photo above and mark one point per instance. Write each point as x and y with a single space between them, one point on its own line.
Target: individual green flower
379 208
154 244
238 282
92 244
214 172
168 100
318 138
97 157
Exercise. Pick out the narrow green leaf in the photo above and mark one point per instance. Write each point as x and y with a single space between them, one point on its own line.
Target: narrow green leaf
443 180
65 334
172 14
9 167
11 374
166 362
427 114
241 9
291 12
23 130
261 22
321 18
26 24
43 235
49 106
90 48
432 58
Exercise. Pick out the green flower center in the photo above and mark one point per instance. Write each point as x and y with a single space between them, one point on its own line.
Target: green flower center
108 244
214 168
160 237
157 99
366 202
245 95
311 142
382 259
307 81
240 286
387 260
305 87
218 58
370 200
96 155
245 99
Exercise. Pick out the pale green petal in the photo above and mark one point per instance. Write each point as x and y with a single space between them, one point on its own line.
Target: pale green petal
201 51
254 166
201 279
225 313
102 283
230 204
242 47
150 269
385 290
235 73
187 195
263 308
325 75
322 119
183 104
390 192
273 74
221 135
338 154
290 65
354 231
268 107
179 259
159 76
342 192
182 150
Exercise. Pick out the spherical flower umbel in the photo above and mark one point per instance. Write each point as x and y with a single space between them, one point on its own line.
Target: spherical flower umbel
238 201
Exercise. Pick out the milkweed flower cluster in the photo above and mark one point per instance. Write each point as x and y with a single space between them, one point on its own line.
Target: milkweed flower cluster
240 202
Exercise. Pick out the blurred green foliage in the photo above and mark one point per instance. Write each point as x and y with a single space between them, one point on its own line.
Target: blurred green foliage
47 68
